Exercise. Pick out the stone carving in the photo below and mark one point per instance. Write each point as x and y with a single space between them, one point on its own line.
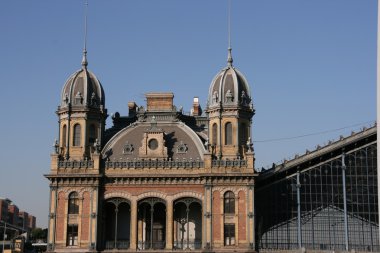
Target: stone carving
128 148
229 96
182 148
215 97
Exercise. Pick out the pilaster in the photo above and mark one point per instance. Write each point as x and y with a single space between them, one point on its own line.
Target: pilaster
133 230
169 224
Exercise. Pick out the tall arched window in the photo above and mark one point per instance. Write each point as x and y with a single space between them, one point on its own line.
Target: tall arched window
92 133
64 130
77 135
214 134
228 133
243 134
73 203
229 202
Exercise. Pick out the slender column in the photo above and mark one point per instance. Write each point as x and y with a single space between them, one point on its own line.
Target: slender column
187 223
208 198
299 235
251 215
133 230
90 217
169 225
151 225
345 201
55 215
116 211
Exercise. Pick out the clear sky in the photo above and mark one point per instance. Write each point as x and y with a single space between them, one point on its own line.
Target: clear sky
311 66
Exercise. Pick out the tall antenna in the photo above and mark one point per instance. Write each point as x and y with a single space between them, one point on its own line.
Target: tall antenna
84 59
229 59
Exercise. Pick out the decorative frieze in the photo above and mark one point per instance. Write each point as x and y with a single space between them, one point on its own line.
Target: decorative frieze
76 164
229 163
140 164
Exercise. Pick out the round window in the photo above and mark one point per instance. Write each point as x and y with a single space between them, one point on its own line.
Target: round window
153 144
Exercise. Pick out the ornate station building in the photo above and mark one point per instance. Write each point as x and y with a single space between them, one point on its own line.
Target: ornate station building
158 179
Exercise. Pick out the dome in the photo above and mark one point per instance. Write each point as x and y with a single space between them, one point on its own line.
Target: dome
83 88
229 87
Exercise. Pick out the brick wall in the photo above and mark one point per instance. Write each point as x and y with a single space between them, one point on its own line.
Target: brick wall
216 217
60 229
242 216
85 217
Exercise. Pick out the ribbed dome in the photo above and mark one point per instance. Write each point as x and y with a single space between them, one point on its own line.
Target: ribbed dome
83 89
229 87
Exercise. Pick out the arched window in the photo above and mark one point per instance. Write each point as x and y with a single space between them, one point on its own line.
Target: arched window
243 134
73 203
92 133
228 133
77 135
214 134
229 202
64 130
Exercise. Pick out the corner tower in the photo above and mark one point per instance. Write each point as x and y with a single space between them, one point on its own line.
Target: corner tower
230 111
81 114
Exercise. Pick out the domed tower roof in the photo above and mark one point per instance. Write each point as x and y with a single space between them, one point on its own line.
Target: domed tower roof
229 88
83 88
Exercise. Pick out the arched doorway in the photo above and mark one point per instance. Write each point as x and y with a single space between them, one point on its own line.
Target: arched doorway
151 224
187 223
117 223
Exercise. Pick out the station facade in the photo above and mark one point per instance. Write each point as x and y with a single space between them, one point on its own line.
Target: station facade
158 179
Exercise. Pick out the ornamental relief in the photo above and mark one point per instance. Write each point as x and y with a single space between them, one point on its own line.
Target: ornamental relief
223 190
80 191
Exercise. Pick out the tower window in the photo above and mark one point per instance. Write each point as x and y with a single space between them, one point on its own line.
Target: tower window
64 130
229 202
229 234
214 134
72 235
228 133
92 133
243 134
77 135
73 203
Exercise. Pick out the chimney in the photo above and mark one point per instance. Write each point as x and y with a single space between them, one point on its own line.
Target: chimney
159 101
196 110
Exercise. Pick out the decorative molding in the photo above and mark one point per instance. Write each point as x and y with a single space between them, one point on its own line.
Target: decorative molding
229 163
150 194
162 164
118 194
225 189
128 148
182 148
76 164
195 195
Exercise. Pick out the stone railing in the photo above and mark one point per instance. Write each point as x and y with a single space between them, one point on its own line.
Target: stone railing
140 164
76 164
229 163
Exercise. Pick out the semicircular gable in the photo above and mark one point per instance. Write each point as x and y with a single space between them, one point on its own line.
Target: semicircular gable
179 139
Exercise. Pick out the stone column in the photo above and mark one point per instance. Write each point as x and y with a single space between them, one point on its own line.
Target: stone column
133 230
169 225
52 216
208 215
251 215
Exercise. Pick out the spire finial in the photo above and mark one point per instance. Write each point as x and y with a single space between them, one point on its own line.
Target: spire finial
84 59
229 59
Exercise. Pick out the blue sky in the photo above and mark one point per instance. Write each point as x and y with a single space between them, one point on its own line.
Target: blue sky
311 66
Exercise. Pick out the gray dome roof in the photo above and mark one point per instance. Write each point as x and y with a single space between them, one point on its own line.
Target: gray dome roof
83 88
229 87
